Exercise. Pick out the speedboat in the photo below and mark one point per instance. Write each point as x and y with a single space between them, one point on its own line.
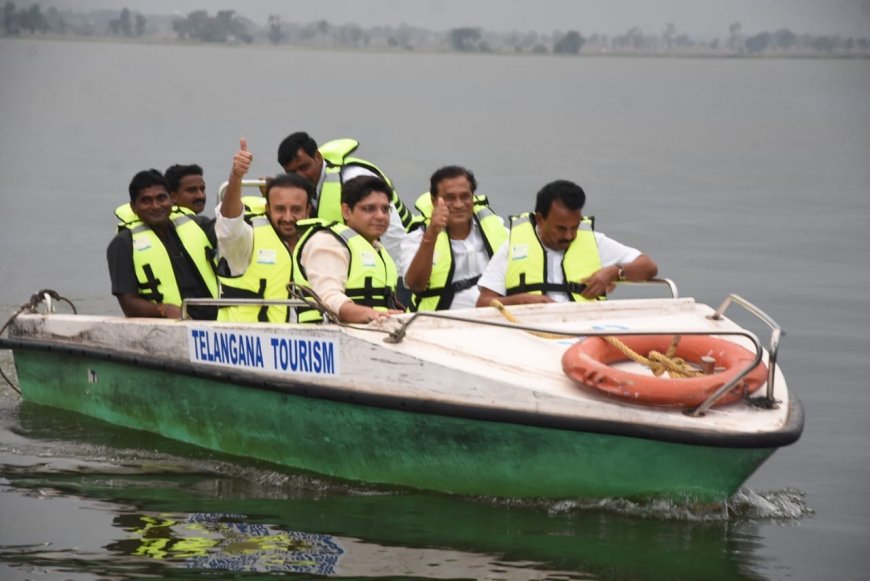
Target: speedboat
483 401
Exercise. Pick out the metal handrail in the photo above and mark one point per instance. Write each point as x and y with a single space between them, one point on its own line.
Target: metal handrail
245 184
661 281
239 303
775 335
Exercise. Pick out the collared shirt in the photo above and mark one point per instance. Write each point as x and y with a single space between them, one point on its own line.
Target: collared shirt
326 261
469 258
122 272
610 251
235 241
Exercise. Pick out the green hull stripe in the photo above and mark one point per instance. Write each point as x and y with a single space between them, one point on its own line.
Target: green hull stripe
378 445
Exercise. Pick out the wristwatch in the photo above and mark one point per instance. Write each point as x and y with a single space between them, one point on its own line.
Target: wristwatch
620 272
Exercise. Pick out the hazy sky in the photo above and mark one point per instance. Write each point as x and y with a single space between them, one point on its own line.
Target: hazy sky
698 18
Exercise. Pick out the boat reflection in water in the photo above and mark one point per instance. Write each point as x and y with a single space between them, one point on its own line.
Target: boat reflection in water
178 511
227 542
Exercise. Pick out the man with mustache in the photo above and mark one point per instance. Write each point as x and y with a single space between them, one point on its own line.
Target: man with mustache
186 186
329 167
256 248
554 255
445 255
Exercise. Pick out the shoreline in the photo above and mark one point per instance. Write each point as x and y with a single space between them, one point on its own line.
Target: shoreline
602 53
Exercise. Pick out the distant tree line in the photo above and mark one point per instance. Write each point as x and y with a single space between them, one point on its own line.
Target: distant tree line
127 24
226 26
31 19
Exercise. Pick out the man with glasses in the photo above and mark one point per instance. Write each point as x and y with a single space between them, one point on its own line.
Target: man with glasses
345 262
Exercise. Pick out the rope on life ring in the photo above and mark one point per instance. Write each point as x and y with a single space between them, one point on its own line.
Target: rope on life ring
590 363
659 363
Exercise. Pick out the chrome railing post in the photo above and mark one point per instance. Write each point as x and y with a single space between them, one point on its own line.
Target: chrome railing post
775 335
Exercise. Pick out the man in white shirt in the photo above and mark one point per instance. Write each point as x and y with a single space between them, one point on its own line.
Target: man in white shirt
299 154
549 258
235 236
445 256
257 251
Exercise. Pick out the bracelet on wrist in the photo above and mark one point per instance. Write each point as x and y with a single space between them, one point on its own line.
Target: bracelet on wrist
161 308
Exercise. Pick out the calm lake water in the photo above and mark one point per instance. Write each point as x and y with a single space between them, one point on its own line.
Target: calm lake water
744 176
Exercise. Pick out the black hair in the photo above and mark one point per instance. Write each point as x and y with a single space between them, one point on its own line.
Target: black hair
449 172
290 180
292 144
566 192
145 179
174 173
354 190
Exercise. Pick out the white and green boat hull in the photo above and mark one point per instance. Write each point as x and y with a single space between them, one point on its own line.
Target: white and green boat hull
409 434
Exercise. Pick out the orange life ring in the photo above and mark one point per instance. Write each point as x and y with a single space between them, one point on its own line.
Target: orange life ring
588 363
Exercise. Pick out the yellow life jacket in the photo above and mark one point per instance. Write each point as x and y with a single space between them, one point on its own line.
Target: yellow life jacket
269 272
253 205
336 155
161 537
527 263
372 276
154 273
442 288
306 228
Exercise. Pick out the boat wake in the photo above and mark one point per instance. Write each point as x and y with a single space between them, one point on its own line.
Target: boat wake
745 505
787 504
222 477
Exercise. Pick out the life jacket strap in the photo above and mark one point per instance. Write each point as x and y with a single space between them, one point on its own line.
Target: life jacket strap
149 290
455 287
231 292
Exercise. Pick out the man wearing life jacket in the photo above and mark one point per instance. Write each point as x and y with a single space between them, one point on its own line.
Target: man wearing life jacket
554 254
345 264
257 250
446 254
161 255
186 186
330 166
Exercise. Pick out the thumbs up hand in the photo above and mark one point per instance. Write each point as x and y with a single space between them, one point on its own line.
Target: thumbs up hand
242 159
440 213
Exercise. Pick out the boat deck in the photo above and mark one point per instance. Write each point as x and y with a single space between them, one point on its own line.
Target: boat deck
529 371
